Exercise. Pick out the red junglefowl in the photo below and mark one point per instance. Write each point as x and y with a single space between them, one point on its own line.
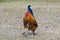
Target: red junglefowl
29 21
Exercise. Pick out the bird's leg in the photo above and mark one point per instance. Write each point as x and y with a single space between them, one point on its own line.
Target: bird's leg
34 32
25 31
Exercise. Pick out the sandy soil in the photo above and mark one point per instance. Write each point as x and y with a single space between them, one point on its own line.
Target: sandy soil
47 16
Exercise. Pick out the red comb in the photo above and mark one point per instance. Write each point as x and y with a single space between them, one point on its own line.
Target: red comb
27 13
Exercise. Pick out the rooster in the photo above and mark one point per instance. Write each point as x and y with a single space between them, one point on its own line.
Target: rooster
29 21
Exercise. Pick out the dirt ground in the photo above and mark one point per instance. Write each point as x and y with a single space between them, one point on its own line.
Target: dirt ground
46 14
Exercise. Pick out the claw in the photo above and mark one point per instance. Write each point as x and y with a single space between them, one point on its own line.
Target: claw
23 33
34 34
